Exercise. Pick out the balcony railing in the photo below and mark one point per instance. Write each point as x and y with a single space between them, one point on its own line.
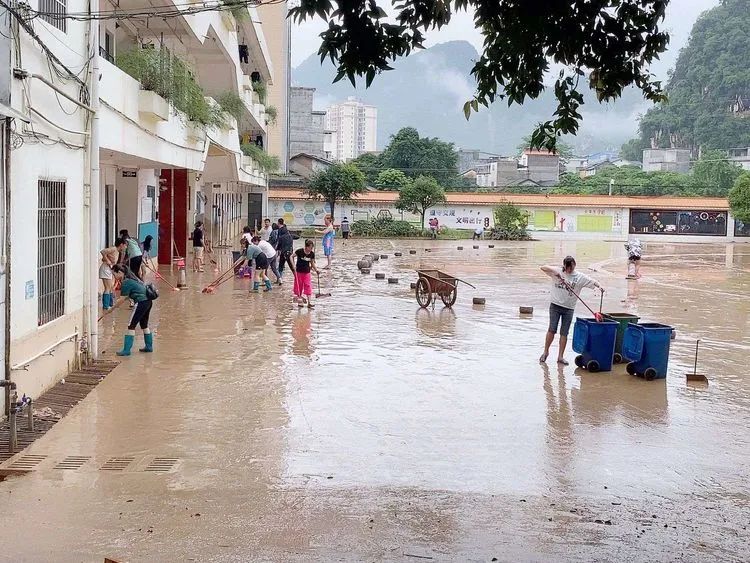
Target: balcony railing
103 53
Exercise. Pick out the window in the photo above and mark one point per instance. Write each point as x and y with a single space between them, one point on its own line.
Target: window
655 221
54 12
51 259
741 229
108 51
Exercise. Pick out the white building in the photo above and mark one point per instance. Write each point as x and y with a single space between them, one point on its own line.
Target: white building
741 156
146 136
356 129
666 160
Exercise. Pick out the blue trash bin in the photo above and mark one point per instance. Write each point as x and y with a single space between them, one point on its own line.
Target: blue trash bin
595 342
647 345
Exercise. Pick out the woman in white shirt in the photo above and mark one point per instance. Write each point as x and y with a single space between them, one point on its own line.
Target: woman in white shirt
568 283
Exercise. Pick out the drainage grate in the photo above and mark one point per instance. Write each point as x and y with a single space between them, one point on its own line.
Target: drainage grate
116 464
28 462
161 464
72 462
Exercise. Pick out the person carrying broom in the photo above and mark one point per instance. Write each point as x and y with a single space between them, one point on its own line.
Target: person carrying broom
568 283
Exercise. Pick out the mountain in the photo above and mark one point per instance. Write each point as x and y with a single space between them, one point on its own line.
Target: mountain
427 91
709 88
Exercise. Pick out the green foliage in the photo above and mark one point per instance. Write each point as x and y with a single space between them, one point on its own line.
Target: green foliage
160 72
710 73
340 182
271 115
420 195
383 228
739 198
617 38
232 104
390 179
510 223
413 156
564 149
369 164
712 175
268 163
238 8
715 174
261 89
633 150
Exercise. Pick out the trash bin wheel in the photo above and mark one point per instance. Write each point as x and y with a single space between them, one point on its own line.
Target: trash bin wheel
617 358
650 374
630 368
579 361
592 366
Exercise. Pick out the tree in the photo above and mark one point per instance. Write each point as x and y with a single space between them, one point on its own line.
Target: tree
739 198
370 166
714 175
421 156
617 38
565 150
390 179
707 79
340 182
633 150
420 196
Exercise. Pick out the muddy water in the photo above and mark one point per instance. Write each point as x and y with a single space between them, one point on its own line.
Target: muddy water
368 428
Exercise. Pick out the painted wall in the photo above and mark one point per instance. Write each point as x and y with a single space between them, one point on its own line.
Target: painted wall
42 155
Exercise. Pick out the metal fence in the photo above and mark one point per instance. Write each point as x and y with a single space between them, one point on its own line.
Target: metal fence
51 260
54 12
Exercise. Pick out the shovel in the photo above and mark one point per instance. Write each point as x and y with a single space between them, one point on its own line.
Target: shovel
319 294
696 377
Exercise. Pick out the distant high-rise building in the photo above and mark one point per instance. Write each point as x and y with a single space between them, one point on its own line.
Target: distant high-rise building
307 132
356 129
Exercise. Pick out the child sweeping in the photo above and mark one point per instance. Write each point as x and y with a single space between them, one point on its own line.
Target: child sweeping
254 252
305 265
635 250
143 295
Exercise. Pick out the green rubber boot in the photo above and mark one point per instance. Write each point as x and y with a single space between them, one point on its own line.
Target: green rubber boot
268 285
149 340
256 287
127 345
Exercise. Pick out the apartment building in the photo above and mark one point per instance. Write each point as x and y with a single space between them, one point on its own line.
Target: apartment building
355 129
307 132
166 123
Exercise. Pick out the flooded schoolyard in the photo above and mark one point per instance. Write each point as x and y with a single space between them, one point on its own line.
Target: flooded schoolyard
371 429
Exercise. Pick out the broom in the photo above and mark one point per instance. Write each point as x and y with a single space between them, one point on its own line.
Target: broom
162 278
319 294
224 277
598 316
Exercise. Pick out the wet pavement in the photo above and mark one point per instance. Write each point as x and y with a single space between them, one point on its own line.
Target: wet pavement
369 429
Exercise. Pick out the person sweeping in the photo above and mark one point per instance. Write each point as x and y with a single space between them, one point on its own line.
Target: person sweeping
143 295
567 285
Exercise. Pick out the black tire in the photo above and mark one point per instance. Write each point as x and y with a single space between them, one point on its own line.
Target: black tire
650 374
617 358
449 298
578 361
593 366
630 368
423 293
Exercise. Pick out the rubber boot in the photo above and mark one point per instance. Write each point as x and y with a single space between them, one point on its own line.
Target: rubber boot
110 300
105 301
268 285
127 345
256 286
148 338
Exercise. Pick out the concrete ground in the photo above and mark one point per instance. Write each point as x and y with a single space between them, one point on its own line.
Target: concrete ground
368 429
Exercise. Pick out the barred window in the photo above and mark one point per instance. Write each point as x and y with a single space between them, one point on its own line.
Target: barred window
54 12
51 260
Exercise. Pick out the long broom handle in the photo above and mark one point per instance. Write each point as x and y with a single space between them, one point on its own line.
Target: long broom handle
221 277
573 291
158 275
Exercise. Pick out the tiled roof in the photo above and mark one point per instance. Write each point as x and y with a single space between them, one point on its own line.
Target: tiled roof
541 200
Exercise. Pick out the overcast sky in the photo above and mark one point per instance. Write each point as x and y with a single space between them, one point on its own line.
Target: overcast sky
681 16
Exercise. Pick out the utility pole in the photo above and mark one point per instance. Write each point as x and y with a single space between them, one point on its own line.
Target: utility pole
5 78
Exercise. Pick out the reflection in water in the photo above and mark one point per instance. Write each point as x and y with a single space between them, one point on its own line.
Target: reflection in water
436 324
301 331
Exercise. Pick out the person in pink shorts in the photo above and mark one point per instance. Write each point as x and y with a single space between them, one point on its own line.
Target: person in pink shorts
305 265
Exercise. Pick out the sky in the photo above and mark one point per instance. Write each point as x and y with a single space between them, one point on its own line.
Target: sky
681 16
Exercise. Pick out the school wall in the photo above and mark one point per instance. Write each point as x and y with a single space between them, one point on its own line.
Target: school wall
546 222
